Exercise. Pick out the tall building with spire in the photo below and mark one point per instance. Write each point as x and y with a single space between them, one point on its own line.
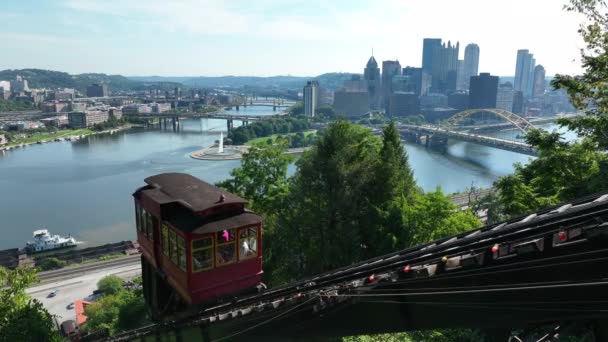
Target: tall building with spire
390 69
449 66
440 60
372 78
471 64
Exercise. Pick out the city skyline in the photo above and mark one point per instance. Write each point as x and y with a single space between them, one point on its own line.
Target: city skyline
303 38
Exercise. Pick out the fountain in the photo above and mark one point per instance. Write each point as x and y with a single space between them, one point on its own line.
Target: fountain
218 152
220 149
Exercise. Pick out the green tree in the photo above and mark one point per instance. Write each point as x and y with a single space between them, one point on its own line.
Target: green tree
22 318
52 263
110 284
262 176
119 311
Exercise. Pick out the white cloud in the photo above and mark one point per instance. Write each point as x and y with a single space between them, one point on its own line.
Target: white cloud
345 33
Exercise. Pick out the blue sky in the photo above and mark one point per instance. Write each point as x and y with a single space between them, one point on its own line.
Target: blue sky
272 37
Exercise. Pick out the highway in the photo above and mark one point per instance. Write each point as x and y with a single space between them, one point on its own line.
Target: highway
79 283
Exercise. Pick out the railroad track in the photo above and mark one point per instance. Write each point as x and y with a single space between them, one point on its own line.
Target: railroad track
48 276
491 258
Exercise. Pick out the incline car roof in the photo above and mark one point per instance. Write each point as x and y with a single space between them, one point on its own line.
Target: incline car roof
195 194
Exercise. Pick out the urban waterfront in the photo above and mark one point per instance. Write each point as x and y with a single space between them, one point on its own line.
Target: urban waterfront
84 188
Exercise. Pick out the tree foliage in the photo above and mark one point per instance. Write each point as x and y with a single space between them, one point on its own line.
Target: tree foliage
22 318
241 135
9 105
352 197
262 177
566 170
51 263
122 310
110 285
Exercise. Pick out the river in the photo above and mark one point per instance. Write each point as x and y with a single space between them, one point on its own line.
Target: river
84 188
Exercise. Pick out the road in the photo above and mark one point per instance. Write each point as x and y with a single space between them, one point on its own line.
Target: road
78 286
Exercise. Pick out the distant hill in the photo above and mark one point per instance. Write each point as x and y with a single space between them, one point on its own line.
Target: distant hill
38 78
330 81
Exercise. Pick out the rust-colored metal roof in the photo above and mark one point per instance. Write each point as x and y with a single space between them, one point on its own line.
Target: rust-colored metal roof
190 191
199 225
79 306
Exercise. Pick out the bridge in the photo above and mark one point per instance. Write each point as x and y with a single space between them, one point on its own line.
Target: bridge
221 115
439 134
547 269
417 132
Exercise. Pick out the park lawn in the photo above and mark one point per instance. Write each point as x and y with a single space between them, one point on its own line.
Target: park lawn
50 136
263 140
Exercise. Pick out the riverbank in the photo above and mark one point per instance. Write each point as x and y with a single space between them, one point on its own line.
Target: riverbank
67 134
232 152
274 137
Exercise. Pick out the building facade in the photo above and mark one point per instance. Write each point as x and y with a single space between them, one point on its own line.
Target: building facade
538 89
483 91
311 97
420 80
371 74
459 100
97 90
390 69
19 84
351 104
471 64
524 72
404 104
505 96
87 119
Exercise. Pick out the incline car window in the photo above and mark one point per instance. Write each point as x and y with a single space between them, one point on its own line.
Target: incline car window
202 254
164 234
226 247
248 243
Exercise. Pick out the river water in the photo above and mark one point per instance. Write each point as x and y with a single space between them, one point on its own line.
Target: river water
84 187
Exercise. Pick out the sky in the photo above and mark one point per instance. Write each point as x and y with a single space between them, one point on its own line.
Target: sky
277 37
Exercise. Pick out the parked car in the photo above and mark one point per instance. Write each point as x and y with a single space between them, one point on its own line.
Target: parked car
52 293
70 306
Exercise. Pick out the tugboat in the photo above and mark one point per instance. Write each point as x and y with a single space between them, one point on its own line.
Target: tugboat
44 241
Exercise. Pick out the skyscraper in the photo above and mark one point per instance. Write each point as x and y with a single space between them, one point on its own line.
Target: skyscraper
539 81
438 60
97 90
448 67
483 91
505 96
421 80
372 77
431 59
389 70
524 72
471 63
460 80
311 93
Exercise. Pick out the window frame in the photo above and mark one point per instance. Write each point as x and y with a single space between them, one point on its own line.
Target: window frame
255 255
210 247
164 239
137 218
149 226
173 246
233 243
181 253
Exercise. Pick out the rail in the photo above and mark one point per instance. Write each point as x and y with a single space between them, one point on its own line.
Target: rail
497 275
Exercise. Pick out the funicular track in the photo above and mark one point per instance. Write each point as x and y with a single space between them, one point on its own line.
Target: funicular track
550 266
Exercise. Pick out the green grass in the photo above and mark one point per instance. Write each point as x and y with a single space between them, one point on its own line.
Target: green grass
50 136
274 137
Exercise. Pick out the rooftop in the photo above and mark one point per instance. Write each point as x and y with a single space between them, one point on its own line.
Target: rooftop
190 191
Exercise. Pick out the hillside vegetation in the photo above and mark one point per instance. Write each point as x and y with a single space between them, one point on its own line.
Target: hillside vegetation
38 78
